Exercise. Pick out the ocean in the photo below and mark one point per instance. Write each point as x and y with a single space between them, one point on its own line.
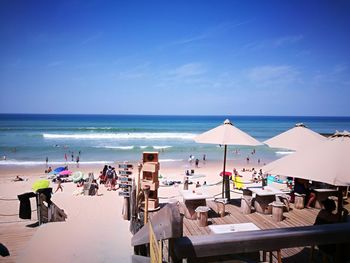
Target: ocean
28 139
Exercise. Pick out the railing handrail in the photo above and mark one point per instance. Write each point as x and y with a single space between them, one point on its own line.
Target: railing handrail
266 240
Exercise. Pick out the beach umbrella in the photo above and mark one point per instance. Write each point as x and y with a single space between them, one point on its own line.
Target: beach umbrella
327 162
77 176
65 173
58 170
296 138
226 134
40 184
226 173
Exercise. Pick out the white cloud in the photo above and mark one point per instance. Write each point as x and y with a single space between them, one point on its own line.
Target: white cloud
287 40
187 70
208 33
274 42
273 76
136 72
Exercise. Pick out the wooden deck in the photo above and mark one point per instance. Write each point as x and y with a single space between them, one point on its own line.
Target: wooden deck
293 218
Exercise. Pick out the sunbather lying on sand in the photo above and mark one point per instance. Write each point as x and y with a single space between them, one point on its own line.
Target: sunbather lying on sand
17 179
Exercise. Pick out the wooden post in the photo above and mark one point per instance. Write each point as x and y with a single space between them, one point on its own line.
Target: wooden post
246 205
202 215
155 246
139 167
220 205
146 190
186 183
277 211
38 208
299 201
125 211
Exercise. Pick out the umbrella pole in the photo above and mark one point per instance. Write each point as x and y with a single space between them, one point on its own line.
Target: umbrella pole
225 180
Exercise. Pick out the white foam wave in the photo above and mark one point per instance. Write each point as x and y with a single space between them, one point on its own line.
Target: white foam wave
161 147
143 147
170 160
36 163
284 153
140 135
117 147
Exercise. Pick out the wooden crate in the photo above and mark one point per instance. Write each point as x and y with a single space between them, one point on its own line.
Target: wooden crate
149 176
150 157
153 185
150 167
153 203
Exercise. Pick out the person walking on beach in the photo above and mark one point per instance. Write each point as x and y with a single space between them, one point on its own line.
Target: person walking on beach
47 161
72 156
204 158
78 159
59 186
197 162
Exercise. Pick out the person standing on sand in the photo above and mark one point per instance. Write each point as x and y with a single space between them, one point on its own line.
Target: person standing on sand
78 159
72 156
204 158
47 161
65 157
59 186
197 162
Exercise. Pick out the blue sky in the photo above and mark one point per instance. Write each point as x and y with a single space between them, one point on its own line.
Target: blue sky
175 57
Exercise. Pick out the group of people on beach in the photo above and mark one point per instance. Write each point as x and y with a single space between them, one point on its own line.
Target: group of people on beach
192 159
109 177
77 158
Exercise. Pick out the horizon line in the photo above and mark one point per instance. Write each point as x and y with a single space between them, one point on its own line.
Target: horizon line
173 115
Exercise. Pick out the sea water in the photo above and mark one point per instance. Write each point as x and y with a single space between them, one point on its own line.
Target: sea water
28 139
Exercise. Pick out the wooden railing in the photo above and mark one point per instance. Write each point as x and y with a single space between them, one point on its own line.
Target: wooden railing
262 240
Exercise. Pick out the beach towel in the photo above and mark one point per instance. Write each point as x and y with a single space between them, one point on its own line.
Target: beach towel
25 210
238 182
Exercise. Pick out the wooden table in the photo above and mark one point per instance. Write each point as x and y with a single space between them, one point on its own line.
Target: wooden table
231 228
323 194
193 199
263 198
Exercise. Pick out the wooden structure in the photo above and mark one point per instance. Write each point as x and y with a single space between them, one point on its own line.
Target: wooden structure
299 201
87 185
277 211
150 172
294 218
125 184
288 240
195 247
246 202
202 215
48 211
155 246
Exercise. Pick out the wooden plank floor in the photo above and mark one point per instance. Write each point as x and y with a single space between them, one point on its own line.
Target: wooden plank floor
293 218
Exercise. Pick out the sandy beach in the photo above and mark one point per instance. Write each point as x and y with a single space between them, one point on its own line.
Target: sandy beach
94 230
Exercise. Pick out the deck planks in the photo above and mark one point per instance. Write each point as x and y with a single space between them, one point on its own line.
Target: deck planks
293 218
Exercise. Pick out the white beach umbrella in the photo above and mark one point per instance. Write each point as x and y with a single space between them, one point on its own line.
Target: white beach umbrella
226 134
296 138
326 162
